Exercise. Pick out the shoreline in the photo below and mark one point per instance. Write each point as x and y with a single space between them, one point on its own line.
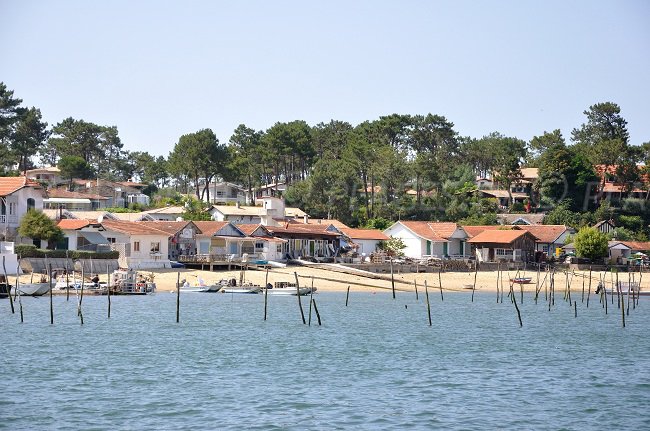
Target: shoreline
326 280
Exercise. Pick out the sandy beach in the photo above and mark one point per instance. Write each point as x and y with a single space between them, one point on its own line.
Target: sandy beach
331 280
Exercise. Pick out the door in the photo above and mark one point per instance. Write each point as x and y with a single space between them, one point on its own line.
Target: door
428 248
445 248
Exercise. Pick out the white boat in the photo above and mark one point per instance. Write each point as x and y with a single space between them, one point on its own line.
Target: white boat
633 288
285 288
242 288
32 289
62 284
203 287
130 282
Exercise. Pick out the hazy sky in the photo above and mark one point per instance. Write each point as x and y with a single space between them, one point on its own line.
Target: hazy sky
158 69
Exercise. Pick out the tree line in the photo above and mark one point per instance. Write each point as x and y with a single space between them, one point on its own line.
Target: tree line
397 166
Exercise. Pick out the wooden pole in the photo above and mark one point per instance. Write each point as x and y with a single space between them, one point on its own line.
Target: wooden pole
498 275
108 289
302 313
415 283
514 300
623 312
20 301
51 300
311 298
67 278
475 275
442 298
316 310
11 301
575 309
347 296
178 297
426 292
629 285
392 277
81 297
618 291
266 291
589 287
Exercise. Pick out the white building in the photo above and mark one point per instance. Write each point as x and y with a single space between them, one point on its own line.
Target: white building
425 239
140 246
17 196
364 241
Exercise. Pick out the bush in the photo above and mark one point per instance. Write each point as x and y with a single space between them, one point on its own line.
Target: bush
28 250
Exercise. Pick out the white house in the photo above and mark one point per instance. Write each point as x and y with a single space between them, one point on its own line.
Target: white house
264 245
270 212
48 174
17 195
222 193
430 239
220 239
237 214
171 213
85 235
140 246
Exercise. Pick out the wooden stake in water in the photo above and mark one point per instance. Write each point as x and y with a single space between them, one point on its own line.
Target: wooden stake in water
442 298
589 288
392 277
514 301
266 291
4 269
311 298
623 312
316 310
108 289
575 309
178 297
426 292
81 298
67 278
302 313
415 283
347 296
475 275
51 301
498 275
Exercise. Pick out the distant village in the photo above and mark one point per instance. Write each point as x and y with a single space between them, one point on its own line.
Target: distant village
260 227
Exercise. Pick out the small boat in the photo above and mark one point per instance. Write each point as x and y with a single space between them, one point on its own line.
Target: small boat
203 287
62 284
287 288
521 280
632 288
242 288
32 289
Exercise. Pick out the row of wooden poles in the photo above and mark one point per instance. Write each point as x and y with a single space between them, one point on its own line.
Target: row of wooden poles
547 283
79 292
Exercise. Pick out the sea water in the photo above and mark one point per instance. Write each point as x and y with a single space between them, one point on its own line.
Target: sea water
375 364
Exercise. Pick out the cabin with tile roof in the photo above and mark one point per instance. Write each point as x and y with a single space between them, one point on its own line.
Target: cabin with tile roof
182 236
363 241
424 239
550 238
17 196
84 235
140 246
494 245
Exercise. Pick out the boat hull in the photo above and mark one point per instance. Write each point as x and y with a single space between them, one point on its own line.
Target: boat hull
242 290
33 289
290 291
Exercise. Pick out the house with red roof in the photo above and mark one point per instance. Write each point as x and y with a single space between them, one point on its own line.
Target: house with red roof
17 196
82 234
425 239
316 241
140 246
492 245
264 246
550 237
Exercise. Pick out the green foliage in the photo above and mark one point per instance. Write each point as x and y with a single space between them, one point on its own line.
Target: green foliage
632 222
120 210
562 214
195 209
36 225
392 246
74 167
621 234
591 243
479 220
377 223
29 250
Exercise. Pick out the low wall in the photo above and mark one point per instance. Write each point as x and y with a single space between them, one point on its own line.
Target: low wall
40 265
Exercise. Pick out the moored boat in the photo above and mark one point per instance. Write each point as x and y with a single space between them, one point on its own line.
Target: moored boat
521 280
32 289
130 282
242 288
287 288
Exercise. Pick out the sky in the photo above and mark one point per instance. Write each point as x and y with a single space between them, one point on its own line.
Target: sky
161 69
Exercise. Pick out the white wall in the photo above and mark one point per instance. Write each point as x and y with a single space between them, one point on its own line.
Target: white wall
366 246
415 246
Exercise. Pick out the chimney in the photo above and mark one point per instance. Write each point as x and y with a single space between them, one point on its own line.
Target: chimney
306 219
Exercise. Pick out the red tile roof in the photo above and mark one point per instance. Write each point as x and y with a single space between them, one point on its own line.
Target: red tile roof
372 234
321 221
210 228
249 228
60 193
72 224
297 228
9 185
433 231
169 227
545 233
132 228
499 236
472 231
637 245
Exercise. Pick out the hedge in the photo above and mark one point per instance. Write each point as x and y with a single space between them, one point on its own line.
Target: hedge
28 250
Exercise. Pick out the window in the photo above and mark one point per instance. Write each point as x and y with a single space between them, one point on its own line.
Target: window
112 241
136 246
259 246
12 208
545 249
31 204
503 252
155 247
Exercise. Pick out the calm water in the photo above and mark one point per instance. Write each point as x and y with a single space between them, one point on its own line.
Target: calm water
373 365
